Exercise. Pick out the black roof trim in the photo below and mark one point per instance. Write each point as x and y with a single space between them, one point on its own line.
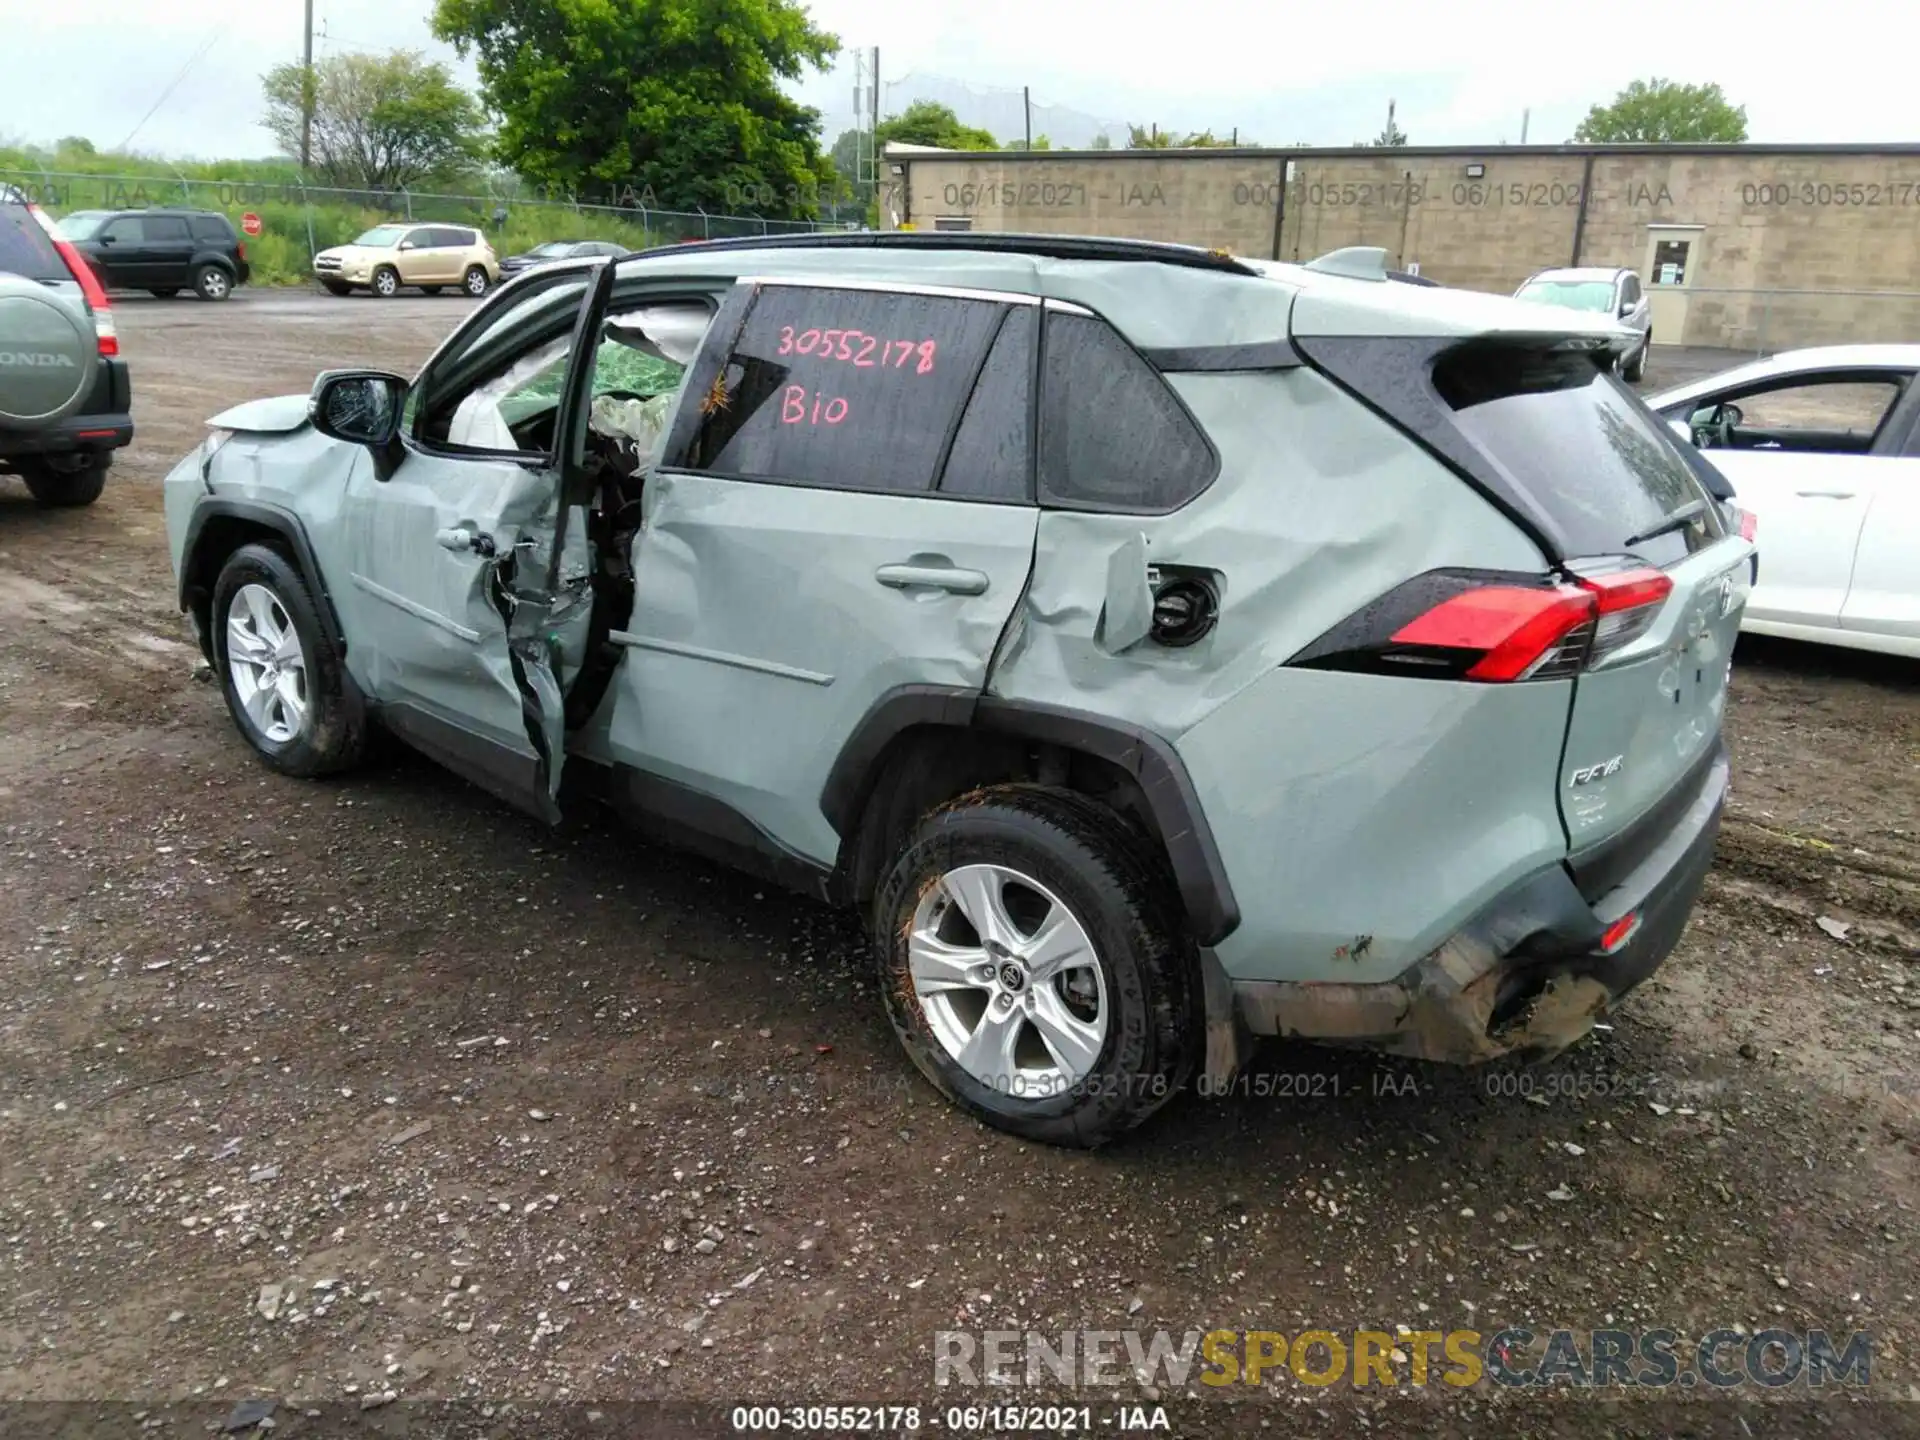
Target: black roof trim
1052 247
1426 152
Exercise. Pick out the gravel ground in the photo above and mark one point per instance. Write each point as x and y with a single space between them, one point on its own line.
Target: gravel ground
327 1093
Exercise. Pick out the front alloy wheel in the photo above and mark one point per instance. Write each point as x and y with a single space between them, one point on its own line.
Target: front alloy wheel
267 667
285 682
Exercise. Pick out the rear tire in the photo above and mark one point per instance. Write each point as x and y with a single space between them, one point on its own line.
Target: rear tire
386 282
283 679
477 281
210 282
58 489
1076 1057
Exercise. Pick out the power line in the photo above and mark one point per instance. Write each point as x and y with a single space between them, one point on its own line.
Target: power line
192 60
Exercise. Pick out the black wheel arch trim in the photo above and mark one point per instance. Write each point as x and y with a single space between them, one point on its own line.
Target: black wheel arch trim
1198 871
198 572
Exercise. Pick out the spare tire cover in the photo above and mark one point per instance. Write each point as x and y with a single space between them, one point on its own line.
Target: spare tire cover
47 354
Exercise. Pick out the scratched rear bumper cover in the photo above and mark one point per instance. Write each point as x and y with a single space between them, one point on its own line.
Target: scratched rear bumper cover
1527 976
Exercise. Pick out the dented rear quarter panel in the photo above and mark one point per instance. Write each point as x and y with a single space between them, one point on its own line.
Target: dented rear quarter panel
1359 818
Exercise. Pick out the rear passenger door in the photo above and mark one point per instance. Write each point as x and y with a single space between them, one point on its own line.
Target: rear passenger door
844 507
168 252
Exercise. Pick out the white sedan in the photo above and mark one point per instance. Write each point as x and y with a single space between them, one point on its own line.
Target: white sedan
1823 447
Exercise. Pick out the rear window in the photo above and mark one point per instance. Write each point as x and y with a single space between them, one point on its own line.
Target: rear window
26 249
1580 444
212 227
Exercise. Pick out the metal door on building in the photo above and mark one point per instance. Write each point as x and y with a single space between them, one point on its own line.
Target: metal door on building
1672 268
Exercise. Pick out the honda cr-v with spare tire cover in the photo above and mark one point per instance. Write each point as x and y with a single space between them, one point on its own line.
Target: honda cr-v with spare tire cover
1167 649
64 396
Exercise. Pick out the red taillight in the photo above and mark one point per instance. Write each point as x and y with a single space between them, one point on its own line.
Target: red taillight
90 286
1464 625
240 250
1749 522
1516 628
1615 935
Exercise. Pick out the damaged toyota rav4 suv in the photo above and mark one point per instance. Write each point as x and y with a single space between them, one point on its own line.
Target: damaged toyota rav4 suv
1160 649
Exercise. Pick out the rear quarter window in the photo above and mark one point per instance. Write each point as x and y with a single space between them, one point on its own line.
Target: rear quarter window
212 227
1112 435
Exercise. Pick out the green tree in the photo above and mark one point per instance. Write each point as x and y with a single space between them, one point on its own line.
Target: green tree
1102 141
379 121
1663 112
925 122
1040 142
674 103
1389 138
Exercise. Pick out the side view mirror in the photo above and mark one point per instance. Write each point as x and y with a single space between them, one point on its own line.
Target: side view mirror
1626 308
404 245
361 407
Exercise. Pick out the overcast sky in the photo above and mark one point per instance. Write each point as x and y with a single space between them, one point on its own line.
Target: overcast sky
1461 73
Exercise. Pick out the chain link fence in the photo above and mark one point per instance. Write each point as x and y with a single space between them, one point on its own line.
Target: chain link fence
296 220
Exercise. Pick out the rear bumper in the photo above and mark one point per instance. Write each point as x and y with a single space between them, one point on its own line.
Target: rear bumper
105 426
1529 975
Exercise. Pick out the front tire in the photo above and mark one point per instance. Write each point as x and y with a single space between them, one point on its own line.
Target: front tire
58 489
477 281
283 678
210 282
1636 371
386 282
1032 965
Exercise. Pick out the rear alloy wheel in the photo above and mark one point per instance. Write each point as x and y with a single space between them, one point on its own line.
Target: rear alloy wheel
66 485
386 282
1031 966
210 282
476 282
284 682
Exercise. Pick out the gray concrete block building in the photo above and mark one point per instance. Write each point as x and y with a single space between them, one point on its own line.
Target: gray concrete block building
1759 247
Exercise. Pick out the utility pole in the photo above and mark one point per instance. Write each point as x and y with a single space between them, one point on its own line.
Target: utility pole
1525 115
306 98
1026 105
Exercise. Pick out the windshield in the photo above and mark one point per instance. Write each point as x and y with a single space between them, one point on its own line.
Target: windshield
82 224
382 237
552 247
1571 294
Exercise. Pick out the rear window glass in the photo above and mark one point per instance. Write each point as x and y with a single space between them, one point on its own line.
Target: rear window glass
166 227
212 227
992 455
1576 440
26 249
846 389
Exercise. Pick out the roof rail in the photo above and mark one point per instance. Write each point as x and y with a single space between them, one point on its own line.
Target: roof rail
1052 247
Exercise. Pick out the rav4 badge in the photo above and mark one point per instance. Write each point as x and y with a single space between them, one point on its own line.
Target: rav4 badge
1591 773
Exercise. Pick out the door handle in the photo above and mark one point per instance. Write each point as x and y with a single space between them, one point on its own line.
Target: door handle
461 540
932 577
1824 494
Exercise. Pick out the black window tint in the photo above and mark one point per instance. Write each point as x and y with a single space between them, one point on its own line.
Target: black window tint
992 455
124 230
455 239
852 389
1112 435
26 249
164 228
212 227
1578 442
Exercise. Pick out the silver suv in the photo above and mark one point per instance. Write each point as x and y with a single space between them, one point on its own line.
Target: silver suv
1600 291
1160 649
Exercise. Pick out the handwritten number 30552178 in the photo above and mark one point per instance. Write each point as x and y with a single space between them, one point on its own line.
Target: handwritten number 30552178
858 348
